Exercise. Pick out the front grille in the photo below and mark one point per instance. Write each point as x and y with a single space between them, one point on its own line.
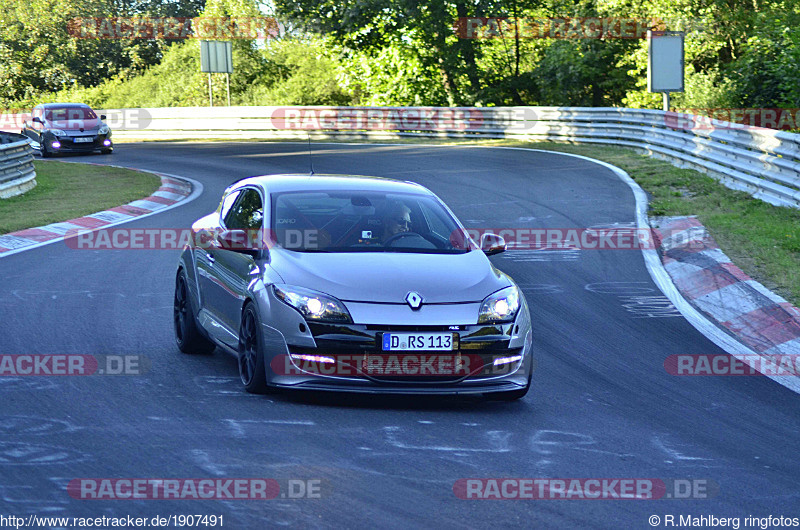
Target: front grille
482 343
417 379
70 144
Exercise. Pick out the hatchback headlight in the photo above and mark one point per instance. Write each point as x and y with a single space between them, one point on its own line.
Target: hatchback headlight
313 305
501 306
57 132
103 130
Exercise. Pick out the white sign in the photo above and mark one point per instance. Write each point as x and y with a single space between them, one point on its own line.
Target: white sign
216 57
665 61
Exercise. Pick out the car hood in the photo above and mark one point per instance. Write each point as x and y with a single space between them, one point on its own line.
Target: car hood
75 125
388 276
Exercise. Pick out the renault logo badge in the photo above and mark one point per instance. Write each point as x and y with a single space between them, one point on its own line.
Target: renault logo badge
414 300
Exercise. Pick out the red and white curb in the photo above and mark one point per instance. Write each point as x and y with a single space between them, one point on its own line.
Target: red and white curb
729 338
706 277
173 191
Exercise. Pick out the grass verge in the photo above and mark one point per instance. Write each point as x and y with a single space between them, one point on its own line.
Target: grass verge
66 191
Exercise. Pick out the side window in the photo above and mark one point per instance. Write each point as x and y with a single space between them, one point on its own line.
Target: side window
227 202
247 212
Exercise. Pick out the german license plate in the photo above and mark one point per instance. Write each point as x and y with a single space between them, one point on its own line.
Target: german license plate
83 139
418 341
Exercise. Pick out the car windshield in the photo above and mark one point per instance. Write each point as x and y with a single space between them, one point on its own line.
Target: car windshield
69 114
355 221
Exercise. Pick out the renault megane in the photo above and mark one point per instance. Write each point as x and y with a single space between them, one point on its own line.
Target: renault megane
346 283
67 128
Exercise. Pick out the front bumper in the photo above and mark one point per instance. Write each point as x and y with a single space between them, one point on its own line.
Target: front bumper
286 334
468 369
68 144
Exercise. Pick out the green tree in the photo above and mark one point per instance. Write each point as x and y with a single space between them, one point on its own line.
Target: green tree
39 55
422 29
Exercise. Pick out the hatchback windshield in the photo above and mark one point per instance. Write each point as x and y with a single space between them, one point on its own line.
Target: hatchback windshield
354 221
69 113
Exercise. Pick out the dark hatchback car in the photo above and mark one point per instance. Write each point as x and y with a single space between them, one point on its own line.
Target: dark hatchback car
67 128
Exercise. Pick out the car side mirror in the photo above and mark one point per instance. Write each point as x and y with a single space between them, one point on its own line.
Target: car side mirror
103 117
492 244
37 120
242 241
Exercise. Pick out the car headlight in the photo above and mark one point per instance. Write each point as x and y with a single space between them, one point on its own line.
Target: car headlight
501 306
103 130
313 305
57 132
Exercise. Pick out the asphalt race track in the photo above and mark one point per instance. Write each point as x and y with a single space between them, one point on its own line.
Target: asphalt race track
602 404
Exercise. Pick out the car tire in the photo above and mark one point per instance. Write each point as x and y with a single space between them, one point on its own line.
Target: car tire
44 151
106 151
252 368
188 336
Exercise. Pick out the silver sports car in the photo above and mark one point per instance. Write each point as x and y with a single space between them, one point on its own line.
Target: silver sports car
348 283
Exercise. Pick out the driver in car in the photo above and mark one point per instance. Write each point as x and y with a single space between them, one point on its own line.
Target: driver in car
396 220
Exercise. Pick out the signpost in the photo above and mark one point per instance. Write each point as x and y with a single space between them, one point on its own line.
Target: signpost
216 57
665 63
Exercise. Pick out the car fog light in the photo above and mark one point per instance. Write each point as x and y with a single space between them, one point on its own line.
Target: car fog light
106 142
56 145
312 358
506 360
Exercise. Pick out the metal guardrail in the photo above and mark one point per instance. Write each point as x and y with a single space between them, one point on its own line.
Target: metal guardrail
17 174
762 162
